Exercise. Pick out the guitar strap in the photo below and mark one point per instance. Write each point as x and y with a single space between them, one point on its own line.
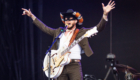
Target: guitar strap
73 36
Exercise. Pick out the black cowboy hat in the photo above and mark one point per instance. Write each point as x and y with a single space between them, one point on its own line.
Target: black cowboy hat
72 13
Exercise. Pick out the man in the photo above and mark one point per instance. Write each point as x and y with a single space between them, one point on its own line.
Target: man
73 20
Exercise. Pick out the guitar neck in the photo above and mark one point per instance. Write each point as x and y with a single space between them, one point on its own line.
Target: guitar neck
73 44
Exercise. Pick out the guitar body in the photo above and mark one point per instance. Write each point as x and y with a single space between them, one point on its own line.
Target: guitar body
57 63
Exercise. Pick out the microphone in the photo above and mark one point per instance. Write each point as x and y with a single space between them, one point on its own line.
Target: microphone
65 28
66 25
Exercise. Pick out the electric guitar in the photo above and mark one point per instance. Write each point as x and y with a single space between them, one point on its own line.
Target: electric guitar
60 57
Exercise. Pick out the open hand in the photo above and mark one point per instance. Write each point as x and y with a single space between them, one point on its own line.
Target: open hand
27 12
108 7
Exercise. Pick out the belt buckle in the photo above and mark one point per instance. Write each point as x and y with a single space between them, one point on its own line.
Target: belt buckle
77 60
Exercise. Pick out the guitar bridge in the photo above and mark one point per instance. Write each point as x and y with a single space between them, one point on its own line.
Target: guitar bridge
46 68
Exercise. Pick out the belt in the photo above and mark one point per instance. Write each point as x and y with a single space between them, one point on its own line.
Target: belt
75 60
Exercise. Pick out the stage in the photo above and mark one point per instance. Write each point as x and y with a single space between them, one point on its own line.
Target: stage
23 45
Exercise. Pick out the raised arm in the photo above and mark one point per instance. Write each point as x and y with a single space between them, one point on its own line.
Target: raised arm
38 23
106 10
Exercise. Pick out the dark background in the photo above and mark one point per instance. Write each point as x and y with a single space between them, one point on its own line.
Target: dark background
23 45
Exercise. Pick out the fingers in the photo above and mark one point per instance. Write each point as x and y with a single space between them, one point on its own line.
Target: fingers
112 3
113 7
103 5
109 2
29 10
25 11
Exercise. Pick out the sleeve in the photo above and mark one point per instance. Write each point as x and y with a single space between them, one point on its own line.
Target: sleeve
44 27
101 25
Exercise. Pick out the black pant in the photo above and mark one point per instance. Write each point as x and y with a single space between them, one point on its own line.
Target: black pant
72 71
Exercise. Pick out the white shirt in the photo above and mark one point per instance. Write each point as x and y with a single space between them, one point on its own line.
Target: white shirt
75 51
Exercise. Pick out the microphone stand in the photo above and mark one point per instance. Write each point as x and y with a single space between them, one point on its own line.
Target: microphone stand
49 51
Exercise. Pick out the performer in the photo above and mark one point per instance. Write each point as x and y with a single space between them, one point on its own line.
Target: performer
73 19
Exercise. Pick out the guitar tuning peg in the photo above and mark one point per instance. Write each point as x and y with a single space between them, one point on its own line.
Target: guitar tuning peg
90 36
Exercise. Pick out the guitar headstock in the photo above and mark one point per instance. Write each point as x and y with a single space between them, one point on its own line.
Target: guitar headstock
91 32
